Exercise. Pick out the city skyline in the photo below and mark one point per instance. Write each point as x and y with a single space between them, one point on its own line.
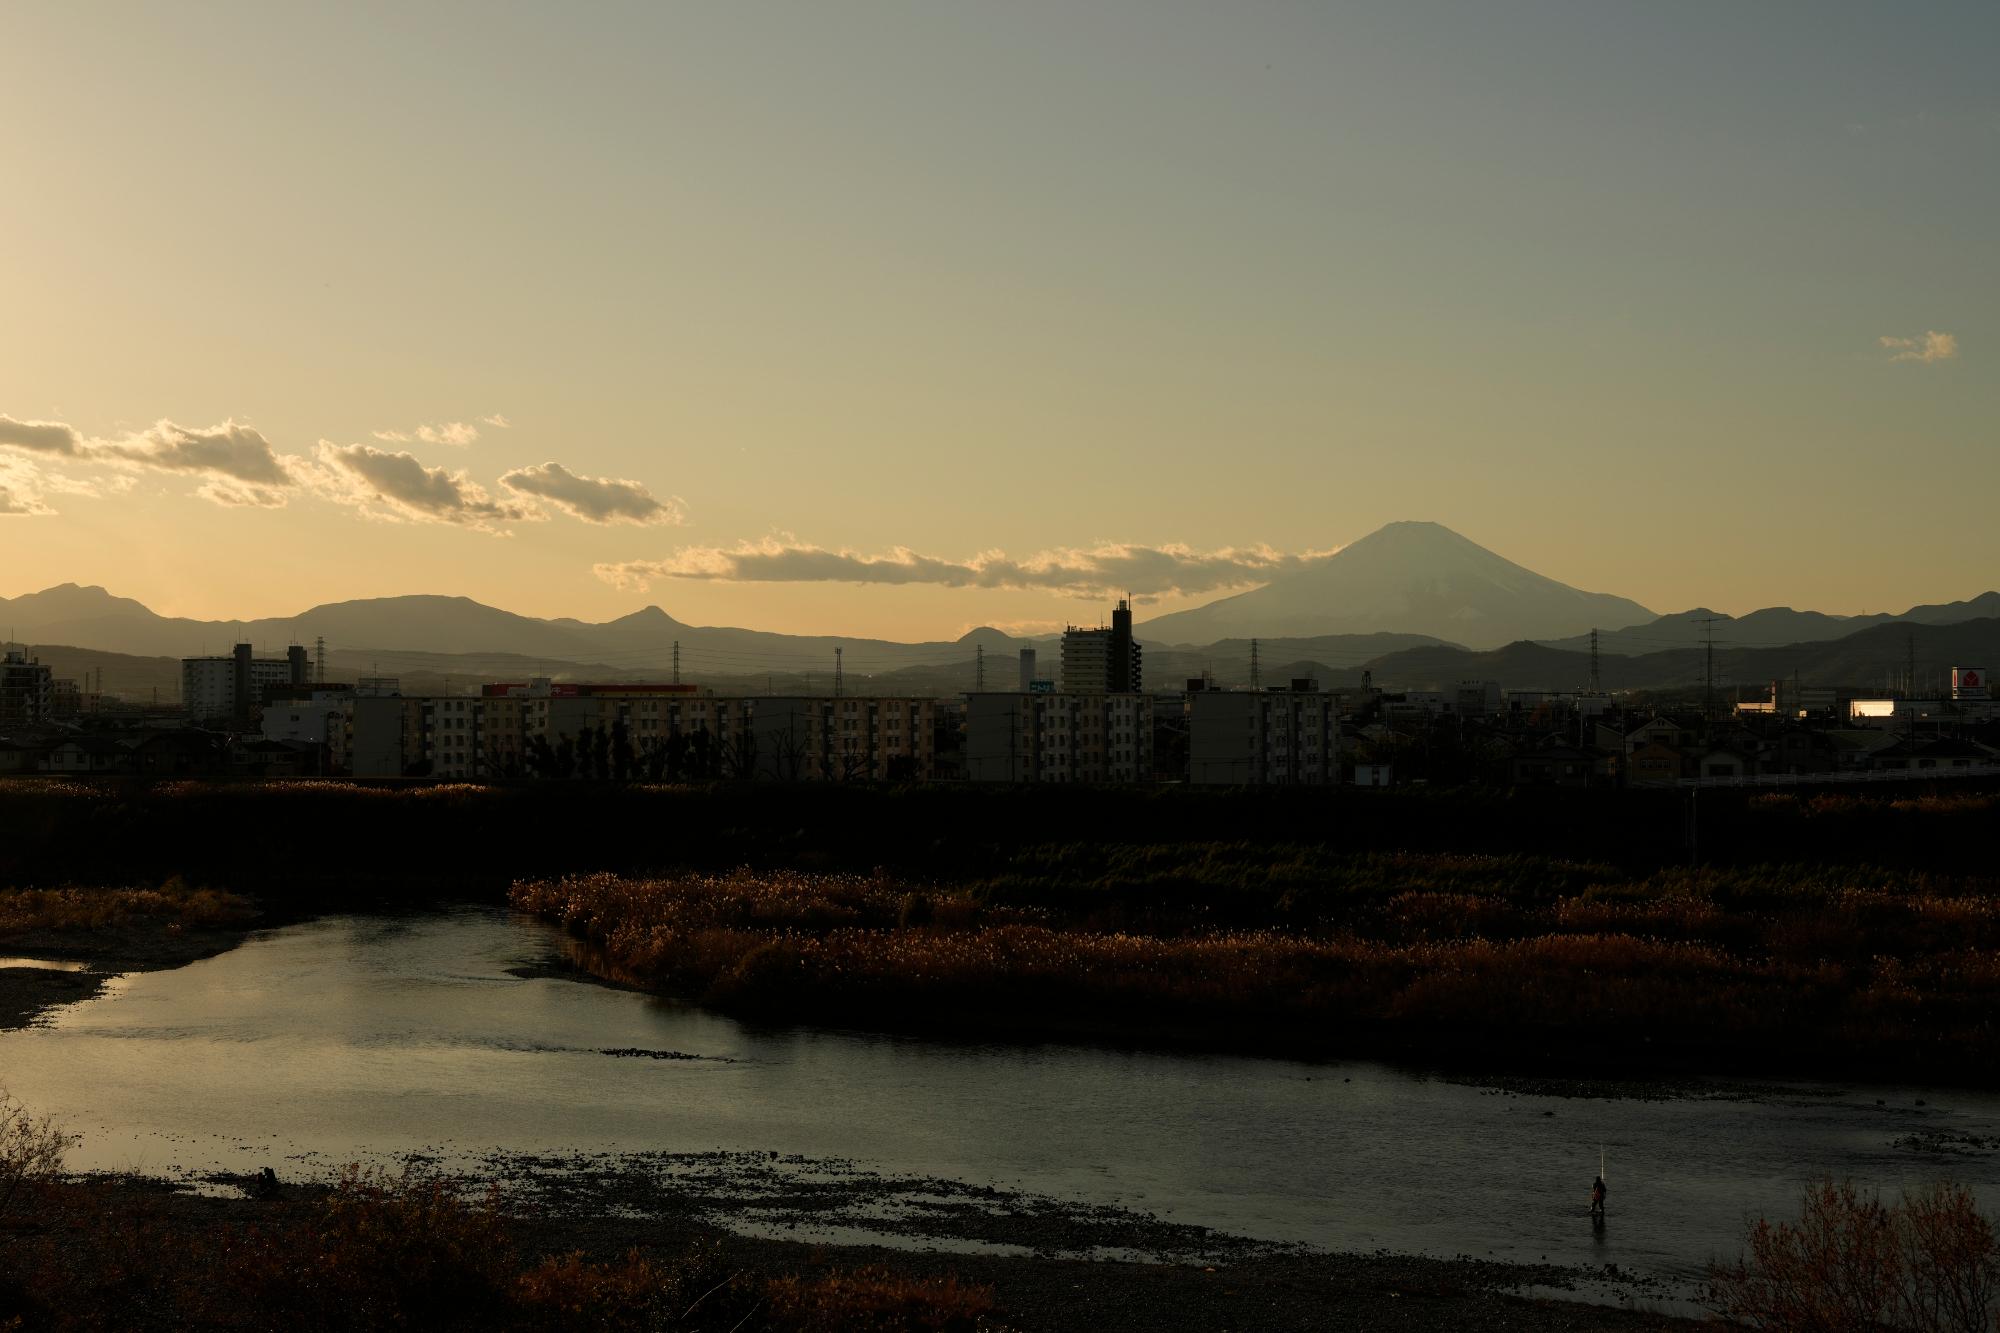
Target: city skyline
901 321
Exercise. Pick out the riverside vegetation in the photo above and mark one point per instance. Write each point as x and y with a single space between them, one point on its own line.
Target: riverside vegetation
1734 928
1302 951
1928 1263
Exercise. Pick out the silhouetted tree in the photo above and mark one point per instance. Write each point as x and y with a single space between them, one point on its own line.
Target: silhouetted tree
541 759
622 755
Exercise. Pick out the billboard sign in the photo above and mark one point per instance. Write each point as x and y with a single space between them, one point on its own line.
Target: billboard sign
1969 683
1041 687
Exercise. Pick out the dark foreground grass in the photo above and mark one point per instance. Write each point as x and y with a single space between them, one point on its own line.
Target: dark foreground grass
379 1252
1452 957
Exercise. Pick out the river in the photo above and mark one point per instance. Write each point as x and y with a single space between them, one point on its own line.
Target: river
455 1034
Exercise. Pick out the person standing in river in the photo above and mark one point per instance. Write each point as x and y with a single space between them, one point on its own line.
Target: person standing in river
1597 1192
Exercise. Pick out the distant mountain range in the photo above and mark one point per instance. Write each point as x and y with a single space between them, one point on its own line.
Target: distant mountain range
1875 658
1773 627
1412 578
1413 602
387 630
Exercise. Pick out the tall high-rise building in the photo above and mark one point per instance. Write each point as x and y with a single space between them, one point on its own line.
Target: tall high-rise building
1104 660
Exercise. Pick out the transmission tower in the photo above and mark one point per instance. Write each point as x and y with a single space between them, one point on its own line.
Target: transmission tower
1256 668
1708 624
677 661
1593 662
979 668
837 678
319 660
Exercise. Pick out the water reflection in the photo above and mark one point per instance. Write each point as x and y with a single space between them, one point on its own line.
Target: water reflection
360 1035
42 964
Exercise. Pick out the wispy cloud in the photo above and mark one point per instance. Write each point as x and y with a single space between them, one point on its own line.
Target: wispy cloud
1933 346
456 433
594 499
21 487
497 420
406 489
239 495
20 504
1080 571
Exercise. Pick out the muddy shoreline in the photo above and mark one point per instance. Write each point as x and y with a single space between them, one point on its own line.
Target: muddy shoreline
1221 1282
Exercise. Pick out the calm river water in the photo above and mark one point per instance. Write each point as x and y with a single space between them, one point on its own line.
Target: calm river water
366 1036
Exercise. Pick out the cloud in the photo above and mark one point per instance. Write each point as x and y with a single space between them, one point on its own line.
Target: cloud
228 450
497 420
21 485
359 475
236 467
65 485
456 433
18 504
235 495
1933 346
593 499
42 437
1080 571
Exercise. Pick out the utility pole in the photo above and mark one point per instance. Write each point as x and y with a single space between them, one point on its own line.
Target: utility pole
1256 668
1910 686
677 661
837 678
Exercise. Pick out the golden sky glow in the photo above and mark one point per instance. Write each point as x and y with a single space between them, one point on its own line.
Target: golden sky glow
1689 303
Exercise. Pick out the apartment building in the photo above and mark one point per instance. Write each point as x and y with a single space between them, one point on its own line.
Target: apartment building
1102 661
1265 737
231 689
27 691
1067 737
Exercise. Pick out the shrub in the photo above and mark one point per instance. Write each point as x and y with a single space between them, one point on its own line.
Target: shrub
32 1149
1852 1264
